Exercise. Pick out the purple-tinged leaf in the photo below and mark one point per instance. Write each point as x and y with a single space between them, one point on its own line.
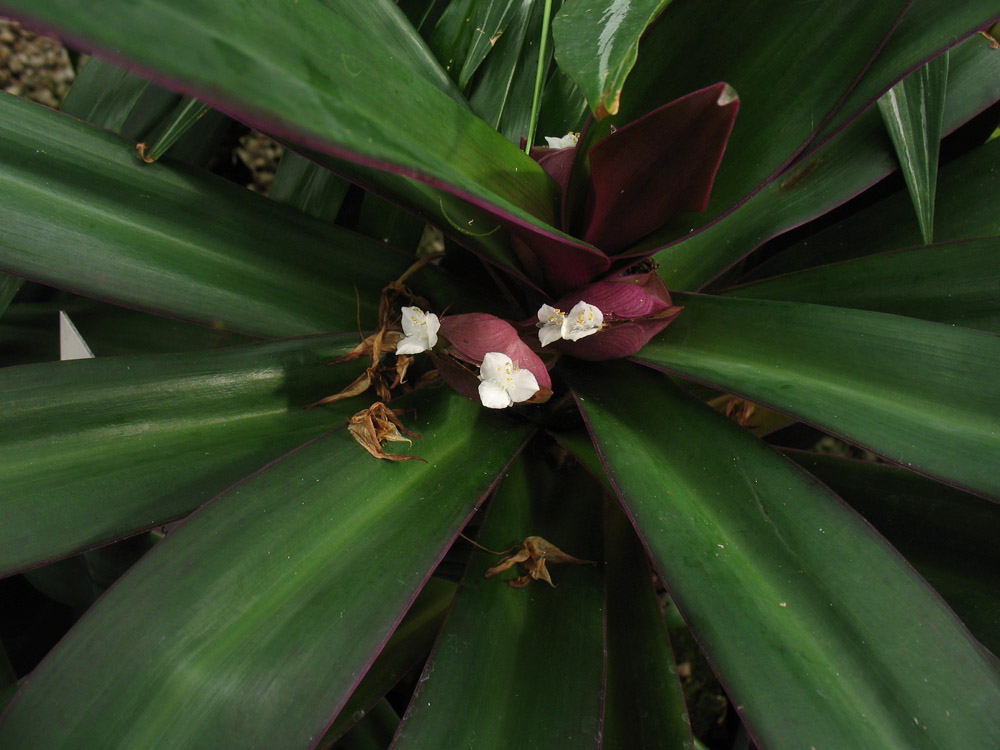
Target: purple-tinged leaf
561 265
471 337
558 162
635 309
657 166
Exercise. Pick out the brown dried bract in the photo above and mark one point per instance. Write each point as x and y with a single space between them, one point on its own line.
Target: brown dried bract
377 425
384 379
740 411
141 149
534 555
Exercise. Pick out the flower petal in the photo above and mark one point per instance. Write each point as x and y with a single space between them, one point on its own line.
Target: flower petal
550 322
583 320
493 396
475 335
567 141
635 308
503 382
420 331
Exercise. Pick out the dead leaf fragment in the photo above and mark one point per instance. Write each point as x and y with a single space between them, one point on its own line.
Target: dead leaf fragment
377 425
534 554
740 411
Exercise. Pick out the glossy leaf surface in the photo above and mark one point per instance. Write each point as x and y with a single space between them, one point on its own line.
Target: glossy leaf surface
913 111
957 282
927 29
306 71
511 662
923 394
112 432
79 208
853 161
307 186
774 572
410 643
601 76
644 705
785 95
253 622
949 536
965 207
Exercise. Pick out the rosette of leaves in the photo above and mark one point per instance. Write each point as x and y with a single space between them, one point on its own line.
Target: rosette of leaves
841 602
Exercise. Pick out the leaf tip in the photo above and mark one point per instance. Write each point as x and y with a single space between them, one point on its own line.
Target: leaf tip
727 96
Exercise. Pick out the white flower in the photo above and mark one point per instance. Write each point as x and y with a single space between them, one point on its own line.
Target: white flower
568 140
504 383
550 322
420 331
583 320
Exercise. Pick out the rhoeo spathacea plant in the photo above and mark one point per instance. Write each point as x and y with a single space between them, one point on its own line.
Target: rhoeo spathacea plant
610 368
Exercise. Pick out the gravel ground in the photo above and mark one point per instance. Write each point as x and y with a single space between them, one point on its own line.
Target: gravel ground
38 68
33 66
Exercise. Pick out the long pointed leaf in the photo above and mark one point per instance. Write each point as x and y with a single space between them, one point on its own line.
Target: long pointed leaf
949 536
619 25
111 433
913 111
822 634
965 206
957 283
924 394
928 28
307 71
644 706
785 95
852 162
80 211
515 663
252 623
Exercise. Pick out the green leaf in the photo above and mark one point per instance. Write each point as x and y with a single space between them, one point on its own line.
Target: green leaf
117 99
924 395
9 286
775 575
503 92
113 98
252 623
644 706
564 109
516 666
469 31
784 94
472 227
307 70
30 331
927 29
80 211
617 26
946 283
949 536
112 432
375 730
408 647
967 191
186 114
913 111
303 184
857 158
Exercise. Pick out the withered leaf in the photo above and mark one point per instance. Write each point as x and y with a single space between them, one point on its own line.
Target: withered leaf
377 425
534 554
380 342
